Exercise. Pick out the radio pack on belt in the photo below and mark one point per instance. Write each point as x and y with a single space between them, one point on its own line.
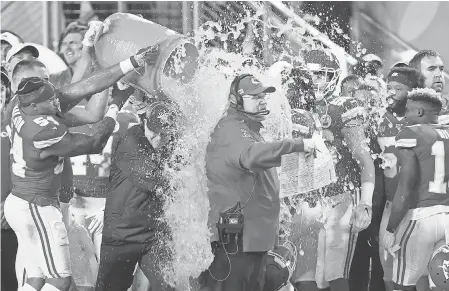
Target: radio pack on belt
230 223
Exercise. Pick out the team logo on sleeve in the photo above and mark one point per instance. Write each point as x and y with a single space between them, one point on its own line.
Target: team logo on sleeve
245 133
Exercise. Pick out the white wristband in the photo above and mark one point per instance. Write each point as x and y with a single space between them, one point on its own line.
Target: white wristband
367 191
112 112
126 66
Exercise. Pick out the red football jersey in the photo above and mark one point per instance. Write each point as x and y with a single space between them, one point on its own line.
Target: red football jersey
34 179
389 127
91 172
430 142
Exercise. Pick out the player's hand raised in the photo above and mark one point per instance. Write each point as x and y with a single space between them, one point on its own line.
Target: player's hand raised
361 217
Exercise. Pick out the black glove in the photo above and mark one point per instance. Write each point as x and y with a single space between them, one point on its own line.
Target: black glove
119 97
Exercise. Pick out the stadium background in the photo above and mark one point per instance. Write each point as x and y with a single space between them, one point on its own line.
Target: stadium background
392 30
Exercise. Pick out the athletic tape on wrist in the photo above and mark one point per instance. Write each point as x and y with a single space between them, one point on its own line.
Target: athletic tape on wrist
112 112
367 191
126 66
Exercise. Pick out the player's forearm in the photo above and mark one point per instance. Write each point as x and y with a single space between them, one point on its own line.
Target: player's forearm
91 144
74 144
401 204
93 112
401 201
97 82
96 107
84 65
367 175
261 156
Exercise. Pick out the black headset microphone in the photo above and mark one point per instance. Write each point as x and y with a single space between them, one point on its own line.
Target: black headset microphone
239 97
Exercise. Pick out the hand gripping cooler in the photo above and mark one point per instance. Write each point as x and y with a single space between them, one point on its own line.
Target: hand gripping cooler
129 33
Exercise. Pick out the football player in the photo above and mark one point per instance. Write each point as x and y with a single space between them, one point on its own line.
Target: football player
421 198
330 229
400 81
430 64
40 140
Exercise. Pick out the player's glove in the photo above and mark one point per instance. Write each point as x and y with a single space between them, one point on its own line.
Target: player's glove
96 29
119 97
146 55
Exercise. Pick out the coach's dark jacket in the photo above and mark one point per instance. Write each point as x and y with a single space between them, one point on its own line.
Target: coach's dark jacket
132 206
240 162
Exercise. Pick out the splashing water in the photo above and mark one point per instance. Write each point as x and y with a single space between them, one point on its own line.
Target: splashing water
203 101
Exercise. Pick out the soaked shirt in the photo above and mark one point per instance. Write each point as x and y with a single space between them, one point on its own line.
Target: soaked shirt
133 208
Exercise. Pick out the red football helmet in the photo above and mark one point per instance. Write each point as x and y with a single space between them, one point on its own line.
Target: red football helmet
439 267
325 69
281 263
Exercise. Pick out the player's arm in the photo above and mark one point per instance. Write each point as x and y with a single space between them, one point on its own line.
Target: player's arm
71 94
408 176
92 112
74 144
84 65
355 139
245 152
136 160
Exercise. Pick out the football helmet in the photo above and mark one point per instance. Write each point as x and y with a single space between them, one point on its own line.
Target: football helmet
325 69
299 82
439 267
281 263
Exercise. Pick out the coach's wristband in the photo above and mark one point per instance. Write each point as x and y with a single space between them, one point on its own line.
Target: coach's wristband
126 66
112 112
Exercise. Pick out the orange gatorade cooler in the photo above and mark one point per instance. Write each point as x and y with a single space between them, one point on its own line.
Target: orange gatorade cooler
129 33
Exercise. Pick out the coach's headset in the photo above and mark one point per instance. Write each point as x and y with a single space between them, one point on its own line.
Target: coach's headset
236 98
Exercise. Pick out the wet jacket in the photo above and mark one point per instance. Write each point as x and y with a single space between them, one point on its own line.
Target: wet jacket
238 161
132 208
